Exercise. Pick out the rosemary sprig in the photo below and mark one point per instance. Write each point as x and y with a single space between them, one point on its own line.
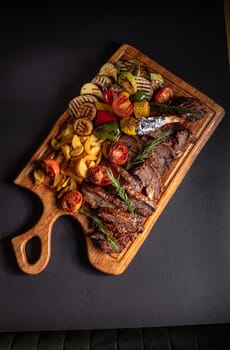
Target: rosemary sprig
144 154
168 109
102 228
121 191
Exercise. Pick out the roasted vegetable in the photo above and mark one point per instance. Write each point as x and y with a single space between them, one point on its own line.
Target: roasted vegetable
141 109
157 80
83 126
109 69
118 153
122 106
98 175
71 201
164 95
108 131
104 117
50 167
128 125
139 96
91 89
128 82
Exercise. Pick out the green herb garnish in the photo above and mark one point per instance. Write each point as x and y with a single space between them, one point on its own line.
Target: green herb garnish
101 227
121 191
144 154
168 109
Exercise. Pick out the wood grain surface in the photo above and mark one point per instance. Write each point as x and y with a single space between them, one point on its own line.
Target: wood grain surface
113 263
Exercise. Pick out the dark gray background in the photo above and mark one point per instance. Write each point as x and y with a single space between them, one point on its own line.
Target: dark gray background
181 274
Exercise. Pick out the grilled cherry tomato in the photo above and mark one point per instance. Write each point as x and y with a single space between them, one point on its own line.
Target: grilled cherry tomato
50 167
122 106
71 201
98 175
108 96
164 95
118 153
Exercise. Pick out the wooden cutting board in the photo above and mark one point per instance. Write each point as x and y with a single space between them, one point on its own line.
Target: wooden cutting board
113 263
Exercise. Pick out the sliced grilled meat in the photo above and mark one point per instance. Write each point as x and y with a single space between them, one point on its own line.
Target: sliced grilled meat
162 158
150 179
122 239
182 139
142 208
128 178
130 222
104 244
98 197
141 200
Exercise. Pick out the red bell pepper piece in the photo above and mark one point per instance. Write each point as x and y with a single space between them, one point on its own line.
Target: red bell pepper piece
103 117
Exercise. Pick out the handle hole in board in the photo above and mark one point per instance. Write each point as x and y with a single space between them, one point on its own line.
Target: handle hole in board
33 250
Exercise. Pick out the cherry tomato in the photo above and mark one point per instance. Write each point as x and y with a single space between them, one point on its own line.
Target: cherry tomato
164 95
98 175
71 201
118 153
50 167
122 106
108 96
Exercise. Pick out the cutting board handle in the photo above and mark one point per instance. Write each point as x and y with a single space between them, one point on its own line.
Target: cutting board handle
41 230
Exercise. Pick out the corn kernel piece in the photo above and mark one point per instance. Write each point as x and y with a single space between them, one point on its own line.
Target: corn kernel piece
141 109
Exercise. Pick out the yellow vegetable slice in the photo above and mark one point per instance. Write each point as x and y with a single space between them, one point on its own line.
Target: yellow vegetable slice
39 176
76 142
77 151
81 168
60 178
73 177
72 184
89 157
95 150
55 144
91 164
66 151
141 109
104 107
128 125
89 143
59 158
99 156
67 131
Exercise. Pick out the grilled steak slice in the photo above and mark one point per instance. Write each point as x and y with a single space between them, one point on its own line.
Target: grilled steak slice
162 157
128 178
150 179
122 239
142 208
181 141
103 242
98 197
180 138
121 236
130 222
140 201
